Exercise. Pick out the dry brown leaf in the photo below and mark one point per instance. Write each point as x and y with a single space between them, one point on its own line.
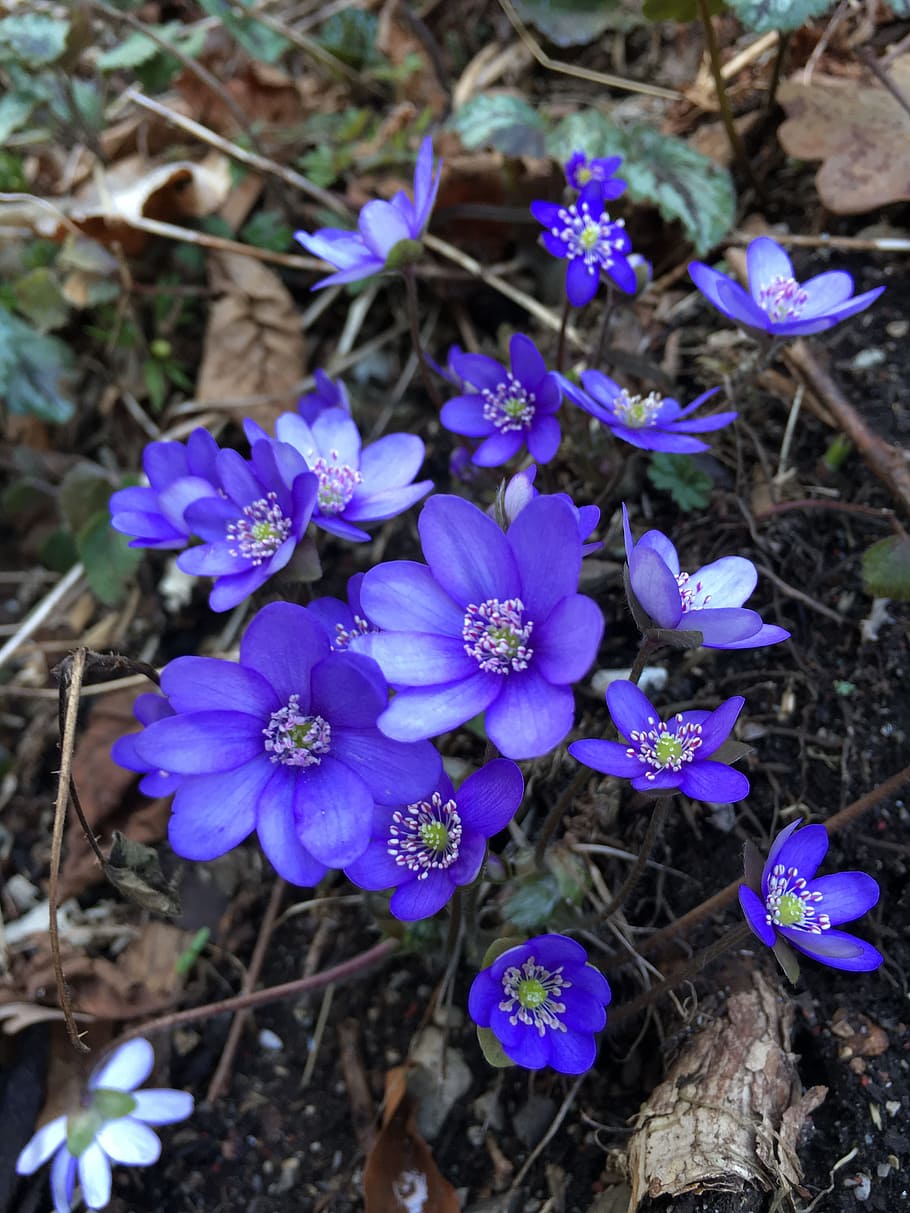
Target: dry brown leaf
400 1174
265 95
254 343
397 37
860 131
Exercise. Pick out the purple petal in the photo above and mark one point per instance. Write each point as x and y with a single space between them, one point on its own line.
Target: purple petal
699 425
390 463
376 869
836 949
727 582
572 1052
382 227
416 714
463 415
479 371
403 596
530 715
283 643
489 799
528 365
415 899
582 282
212 560
655 587
471 854
544 438
499 448
566 643
275 826
544 539
845 895
467 552
335 430
721 625
608 757
129 1141
94 1176
209 684
584 1012
201 743
331 805
162 1106
126 1068
547 213
631 709
802 849
414 659
768 633
229 591
63 1180
765 261
756 915
48 1139
237 478
521 1042
215 813
713 781
716 728
657 541
394 771
348 690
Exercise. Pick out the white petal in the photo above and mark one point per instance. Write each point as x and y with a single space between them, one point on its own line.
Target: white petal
126 1067
48 1138
95 1176
129 1141
63 1180
162 1107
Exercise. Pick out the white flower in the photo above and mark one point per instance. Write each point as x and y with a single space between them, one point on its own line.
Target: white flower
112 1125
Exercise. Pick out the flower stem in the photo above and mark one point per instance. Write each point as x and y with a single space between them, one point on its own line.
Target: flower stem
736 143
652 833
604 328
426 375
731 939
783 45
648 647
561 343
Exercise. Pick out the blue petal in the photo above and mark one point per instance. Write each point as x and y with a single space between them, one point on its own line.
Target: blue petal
414 659
209 684
713 781
467 552
215 813
547 548
803 849
489 799
716 728
403 596
426 712
631 709
415 899
756 915
277 833
348 690
845 895
201 743
566 643
581 283
836 949
572 1052
376 869
608 757
283 642
332 809
765 261
655 587
530 716
396 772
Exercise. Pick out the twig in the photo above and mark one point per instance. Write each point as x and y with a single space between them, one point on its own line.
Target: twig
550 1133
726 113
32 622
879 514
888 462
266 927
67 744
799 596
883 78
859 244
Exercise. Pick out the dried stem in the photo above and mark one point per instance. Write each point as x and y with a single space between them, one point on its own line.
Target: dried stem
652 833
561 343
736 143
414 322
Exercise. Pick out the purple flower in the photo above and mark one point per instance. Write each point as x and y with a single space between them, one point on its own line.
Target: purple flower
354 485
493 622
515 494
785 900
709 600
543 1002
387 232
178 475
775 302
590 240
147 709
660 756
652 422
424 850
580 171
345 623
329 394
284 743
250 530
510 409
112 1125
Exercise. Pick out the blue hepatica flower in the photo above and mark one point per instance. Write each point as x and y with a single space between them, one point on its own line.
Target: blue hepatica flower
147 709
660 756
493 622
425 850
284 743
519 490
345 623
386 231
652 422
709 600
355 486
509 409
580 171
177 475
543 1002
775 303
250 529
327 394
112 1125
785 900
590 240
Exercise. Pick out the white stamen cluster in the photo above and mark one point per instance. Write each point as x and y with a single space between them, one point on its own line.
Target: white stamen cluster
294 739
425 835
594 239
532 996
789 902
496 637
337 483
510 406
783 299
662 750
260 531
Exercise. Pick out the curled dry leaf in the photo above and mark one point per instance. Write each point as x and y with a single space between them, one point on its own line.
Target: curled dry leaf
400 1174
254 344
730 1110
861 132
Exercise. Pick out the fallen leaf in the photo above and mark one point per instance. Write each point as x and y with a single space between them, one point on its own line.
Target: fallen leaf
860 131
254 343
265 95
400 1174
397 38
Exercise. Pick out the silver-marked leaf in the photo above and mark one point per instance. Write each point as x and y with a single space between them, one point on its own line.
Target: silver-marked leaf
575 22
760 16
502 121
33 39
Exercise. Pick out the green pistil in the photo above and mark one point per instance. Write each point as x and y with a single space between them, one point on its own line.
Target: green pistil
434 835
668 750
584 175
514 406
264 532
790 910
531 993
590 237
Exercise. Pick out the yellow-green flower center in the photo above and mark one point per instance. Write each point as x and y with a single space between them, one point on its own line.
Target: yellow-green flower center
531 993
434 835
668 750
790 910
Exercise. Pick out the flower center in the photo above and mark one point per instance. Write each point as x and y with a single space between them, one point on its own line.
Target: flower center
689 593
510 407
344 636
296 740
584 174
532 996
425 835
637 412
495 636
783 299
260 531
789 903
662 750
337 483
596 240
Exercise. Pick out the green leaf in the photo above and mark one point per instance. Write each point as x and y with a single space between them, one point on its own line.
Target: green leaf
38 298
502 121
15 111
12 173
85 492
760 16
320 165
533 901
679 476
492 1050
886 568
156 383
108 559
137 48
679 10
267 229
59 552
574 22
32 367
33 39
257 39
350 35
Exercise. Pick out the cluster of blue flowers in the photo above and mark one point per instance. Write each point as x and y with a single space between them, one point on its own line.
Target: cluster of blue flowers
319 738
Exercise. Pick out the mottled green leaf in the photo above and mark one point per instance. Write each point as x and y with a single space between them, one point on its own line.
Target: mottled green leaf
574 22
680 476
109 560
350 35
33 39
886 568
38 298
258 40
15 111
32 369
137 48
502 121
84 492
760 16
